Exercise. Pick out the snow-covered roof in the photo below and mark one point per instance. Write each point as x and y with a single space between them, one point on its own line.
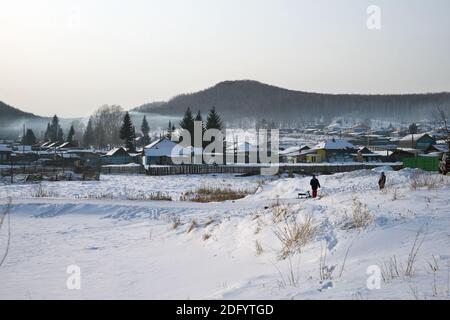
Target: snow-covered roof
113 151
417 136
4 148
441 147
383 153
293 151
335 144
161 148
51 145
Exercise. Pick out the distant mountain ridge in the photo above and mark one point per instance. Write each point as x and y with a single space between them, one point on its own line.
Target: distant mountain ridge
8 112
248 98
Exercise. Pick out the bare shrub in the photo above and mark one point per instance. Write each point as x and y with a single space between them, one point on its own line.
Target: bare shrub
325 272
176 222
294 235
395 194
291 276
206 236
193 225
209 222
280 213
258 247
157 196
392 268
359 218
418 242
207 194
427 180
42 192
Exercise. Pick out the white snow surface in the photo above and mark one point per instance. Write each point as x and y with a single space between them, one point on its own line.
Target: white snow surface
130 250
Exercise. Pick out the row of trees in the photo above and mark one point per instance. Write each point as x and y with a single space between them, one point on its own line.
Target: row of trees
213 121
112 126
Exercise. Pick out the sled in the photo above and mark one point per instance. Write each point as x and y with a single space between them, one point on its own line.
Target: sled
306 195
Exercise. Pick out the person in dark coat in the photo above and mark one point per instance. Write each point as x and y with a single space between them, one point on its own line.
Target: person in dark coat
382 181
315 184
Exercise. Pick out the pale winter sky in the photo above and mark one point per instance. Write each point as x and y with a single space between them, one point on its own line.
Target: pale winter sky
70 57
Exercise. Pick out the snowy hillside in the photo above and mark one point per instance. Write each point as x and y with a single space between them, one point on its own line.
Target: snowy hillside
269 245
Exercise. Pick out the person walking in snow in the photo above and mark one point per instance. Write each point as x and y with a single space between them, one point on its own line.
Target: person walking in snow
382 181
315 184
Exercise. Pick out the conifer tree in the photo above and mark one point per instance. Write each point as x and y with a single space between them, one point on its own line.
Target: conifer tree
187 123
89 134
214 121
127 132
71 134
145 129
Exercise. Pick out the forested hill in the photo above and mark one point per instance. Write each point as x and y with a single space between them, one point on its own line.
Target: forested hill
237 99
8 113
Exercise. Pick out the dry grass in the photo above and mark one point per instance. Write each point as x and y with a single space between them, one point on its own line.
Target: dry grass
176 222
359 218
325 271
280 212
258 248
193 225
209 222
208 194
206 236
294 235
392 268
42 192
157 196
429 181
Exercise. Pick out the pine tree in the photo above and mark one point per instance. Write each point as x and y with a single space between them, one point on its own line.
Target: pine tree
29 138
89 134
199 118
413 128
145 131
127 132
187 123
169 130
71 134
47 132
54 128
214 121
60 135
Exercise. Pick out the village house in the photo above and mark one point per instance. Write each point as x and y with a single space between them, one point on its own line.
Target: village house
244 152
294 154
117 156
5 153
364 154
437 149
334 150
400 154
161 152
420 141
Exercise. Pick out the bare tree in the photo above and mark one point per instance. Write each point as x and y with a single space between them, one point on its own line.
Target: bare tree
107 122
444 118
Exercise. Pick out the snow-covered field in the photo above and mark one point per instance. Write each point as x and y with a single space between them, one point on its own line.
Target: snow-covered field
132 249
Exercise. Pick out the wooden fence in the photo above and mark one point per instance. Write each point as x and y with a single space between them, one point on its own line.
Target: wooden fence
123 170
31 170
256 170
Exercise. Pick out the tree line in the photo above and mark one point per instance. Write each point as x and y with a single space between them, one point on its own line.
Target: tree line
111 126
